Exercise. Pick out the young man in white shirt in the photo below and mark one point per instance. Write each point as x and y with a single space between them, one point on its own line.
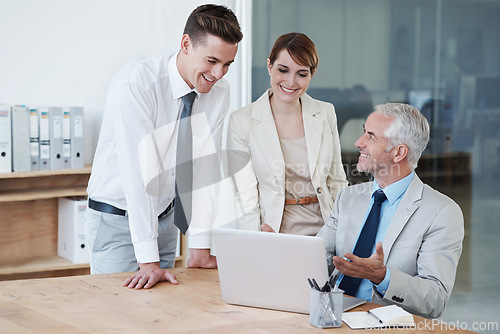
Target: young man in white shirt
129 223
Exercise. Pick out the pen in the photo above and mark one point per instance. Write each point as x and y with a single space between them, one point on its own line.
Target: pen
379 320
316 286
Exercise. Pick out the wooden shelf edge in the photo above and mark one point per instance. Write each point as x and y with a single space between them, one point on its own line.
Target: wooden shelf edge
41 264
30 195
18 175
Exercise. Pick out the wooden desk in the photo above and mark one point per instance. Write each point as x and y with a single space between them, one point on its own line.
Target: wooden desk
99 304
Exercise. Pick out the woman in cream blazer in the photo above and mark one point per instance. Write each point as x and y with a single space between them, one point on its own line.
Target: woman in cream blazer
257 135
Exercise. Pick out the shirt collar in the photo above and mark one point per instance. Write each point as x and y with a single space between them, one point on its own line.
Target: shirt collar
395 190
178 85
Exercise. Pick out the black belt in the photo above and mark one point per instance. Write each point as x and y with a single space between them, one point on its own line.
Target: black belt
107 208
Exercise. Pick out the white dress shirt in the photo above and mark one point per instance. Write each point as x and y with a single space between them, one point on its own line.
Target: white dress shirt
144 101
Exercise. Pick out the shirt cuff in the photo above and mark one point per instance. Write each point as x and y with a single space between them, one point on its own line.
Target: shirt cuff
384 285
147 251
200 238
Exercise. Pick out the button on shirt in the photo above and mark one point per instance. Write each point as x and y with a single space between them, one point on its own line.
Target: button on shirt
394 194
143 99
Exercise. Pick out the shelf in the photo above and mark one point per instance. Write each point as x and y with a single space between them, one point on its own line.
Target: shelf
41 264
42 173
23 195
179 261
29 220
37 185
29 204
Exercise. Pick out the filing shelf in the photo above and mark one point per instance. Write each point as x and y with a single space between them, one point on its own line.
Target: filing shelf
28 222
29 219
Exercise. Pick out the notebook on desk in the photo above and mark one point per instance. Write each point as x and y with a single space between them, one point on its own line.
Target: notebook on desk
270 270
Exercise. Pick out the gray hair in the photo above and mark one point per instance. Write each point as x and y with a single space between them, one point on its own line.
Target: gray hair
409 127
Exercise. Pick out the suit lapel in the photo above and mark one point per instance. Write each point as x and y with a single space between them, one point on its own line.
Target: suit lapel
403 213
313 127
266 135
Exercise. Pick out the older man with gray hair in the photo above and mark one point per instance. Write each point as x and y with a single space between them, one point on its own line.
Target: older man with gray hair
395 240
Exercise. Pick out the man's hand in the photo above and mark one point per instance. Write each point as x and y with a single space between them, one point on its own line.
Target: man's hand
372 268
148 275
266 228
201 258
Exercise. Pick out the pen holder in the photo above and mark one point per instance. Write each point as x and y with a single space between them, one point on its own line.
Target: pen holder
326 308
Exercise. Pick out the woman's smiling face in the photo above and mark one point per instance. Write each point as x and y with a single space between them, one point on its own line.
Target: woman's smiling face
289 80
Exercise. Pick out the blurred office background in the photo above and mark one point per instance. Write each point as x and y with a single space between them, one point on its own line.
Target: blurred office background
442 56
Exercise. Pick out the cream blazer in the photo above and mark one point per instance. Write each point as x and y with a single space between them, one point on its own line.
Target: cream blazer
253 142
421 247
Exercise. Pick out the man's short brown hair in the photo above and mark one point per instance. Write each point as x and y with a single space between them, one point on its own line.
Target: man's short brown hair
216 20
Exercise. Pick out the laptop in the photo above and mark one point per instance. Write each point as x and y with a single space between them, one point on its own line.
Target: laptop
270 270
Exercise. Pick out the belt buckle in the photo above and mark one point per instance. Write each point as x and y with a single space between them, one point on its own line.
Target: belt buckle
298 199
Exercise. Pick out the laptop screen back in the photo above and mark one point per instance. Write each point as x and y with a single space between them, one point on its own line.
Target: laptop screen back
269 270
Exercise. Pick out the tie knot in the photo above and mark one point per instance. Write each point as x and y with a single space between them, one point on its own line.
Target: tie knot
379 196
188 100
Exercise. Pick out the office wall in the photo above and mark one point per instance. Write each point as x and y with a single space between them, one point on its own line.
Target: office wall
62 52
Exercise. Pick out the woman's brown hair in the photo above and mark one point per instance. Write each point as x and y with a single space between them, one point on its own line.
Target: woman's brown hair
300 47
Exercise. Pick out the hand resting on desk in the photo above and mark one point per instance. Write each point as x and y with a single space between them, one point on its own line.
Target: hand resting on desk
201 258
148 275
151 273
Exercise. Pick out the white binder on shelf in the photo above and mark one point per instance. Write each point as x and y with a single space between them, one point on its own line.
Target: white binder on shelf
71 243
5 140
66 138
34 139
44 138
55 120
20 120
77 160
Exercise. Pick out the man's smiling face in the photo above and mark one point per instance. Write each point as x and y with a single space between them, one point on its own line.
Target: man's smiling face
207 61
374 157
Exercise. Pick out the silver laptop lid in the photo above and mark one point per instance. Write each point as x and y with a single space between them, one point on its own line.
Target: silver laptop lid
268 270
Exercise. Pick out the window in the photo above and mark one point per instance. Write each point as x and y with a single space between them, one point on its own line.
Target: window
442 56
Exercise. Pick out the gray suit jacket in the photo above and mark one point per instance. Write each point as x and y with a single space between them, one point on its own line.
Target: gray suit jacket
422 245
261 184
